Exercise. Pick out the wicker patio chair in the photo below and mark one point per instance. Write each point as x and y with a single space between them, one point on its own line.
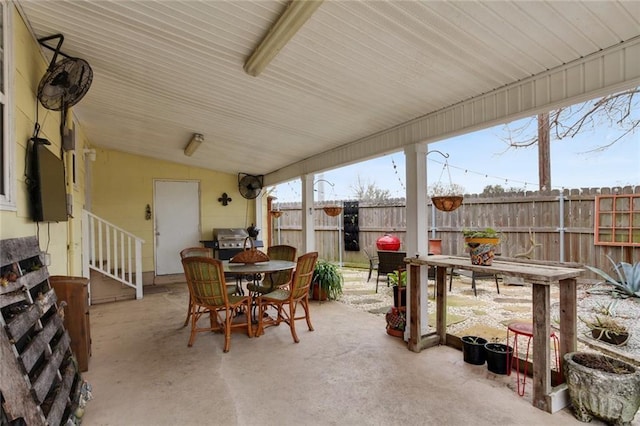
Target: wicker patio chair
209 295
297 293
202 252
275 280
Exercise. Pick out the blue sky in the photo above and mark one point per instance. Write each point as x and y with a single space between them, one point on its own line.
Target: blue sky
479 159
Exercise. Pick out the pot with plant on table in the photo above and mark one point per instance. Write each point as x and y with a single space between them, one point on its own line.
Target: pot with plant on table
482 245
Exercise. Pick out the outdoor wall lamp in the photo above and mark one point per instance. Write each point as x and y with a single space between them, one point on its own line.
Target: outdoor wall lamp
193 144
90 154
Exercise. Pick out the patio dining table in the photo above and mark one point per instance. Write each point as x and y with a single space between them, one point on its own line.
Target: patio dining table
256 269
541 275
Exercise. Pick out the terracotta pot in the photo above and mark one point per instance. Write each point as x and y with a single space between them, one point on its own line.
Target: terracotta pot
319 293
395 332
435 246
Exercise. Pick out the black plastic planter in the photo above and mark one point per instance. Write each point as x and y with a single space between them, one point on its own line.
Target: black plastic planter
399 292
497 357
473 350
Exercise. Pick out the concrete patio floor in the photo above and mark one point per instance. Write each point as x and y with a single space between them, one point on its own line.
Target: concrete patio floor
348 371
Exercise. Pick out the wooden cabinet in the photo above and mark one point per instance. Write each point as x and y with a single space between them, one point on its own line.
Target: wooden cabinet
75 292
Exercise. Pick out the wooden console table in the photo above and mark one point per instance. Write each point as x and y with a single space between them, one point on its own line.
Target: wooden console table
541 276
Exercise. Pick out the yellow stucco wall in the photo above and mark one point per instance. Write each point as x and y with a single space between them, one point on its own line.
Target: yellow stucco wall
29 65
123 185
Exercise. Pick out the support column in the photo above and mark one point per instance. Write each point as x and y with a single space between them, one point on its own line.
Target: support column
308 228
416 242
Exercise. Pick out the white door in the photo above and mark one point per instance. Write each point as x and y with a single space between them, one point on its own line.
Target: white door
177 222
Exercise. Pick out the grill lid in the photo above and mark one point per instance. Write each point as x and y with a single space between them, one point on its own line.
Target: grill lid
230 237
221 234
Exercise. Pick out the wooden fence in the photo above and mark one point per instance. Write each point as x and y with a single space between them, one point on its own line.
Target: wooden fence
560 223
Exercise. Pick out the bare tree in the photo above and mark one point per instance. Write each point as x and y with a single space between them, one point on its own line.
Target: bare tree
616 110
369 191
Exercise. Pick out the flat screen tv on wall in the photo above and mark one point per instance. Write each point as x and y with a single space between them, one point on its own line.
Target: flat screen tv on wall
48 192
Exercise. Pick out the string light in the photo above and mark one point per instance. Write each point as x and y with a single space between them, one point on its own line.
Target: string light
487 176
445 164
395 170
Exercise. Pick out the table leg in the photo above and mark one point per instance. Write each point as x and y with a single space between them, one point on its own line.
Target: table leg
568 319
541 348
415 333
441 304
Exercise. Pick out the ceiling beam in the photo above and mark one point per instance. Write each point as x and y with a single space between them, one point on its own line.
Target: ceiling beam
287 25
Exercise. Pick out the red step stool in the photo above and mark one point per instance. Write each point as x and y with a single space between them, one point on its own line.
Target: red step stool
525 329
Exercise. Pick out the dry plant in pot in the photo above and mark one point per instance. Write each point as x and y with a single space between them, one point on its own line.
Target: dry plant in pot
446 198
607 329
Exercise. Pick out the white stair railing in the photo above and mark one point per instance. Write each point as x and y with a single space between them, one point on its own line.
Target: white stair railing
112 251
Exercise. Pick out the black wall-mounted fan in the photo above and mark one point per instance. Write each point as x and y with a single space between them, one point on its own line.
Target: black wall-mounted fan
66 82
249 185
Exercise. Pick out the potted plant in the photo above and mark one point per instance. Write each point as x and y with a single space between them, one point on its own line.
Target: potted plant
607 329
396 322
482 244
446 198
602 387
473 350
327 280
498 357
398 279
628 282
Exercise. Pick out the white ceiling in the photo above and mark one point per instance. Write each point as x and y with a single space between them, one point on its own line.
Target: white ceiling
166 69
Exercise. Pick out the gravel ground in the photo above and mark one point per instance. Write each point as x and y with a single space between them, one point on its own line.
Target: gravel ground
490 311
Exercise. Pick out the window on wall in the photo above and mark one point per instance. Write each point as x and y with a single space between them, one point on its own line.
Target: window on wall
7 179
618 220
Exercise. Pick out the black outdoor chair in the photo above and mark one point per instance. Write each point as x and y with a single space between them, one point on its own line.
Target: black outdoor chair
389 261
475 275
373 263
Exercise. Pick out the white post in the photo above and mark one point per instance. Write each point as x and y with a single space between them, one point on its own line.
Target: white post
416 239
340 237
308 228
278 220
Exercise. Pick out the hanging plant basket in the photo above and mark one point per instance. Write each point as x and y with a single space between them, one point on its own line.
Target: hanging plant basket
446 198
447 203
332 210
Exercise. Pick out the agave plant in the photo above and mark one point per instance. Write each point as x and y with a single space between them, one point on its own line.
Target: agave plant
628 282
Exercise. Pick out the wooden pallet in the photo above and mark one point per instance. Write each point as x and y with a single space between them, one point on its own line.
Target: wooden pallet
39 378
